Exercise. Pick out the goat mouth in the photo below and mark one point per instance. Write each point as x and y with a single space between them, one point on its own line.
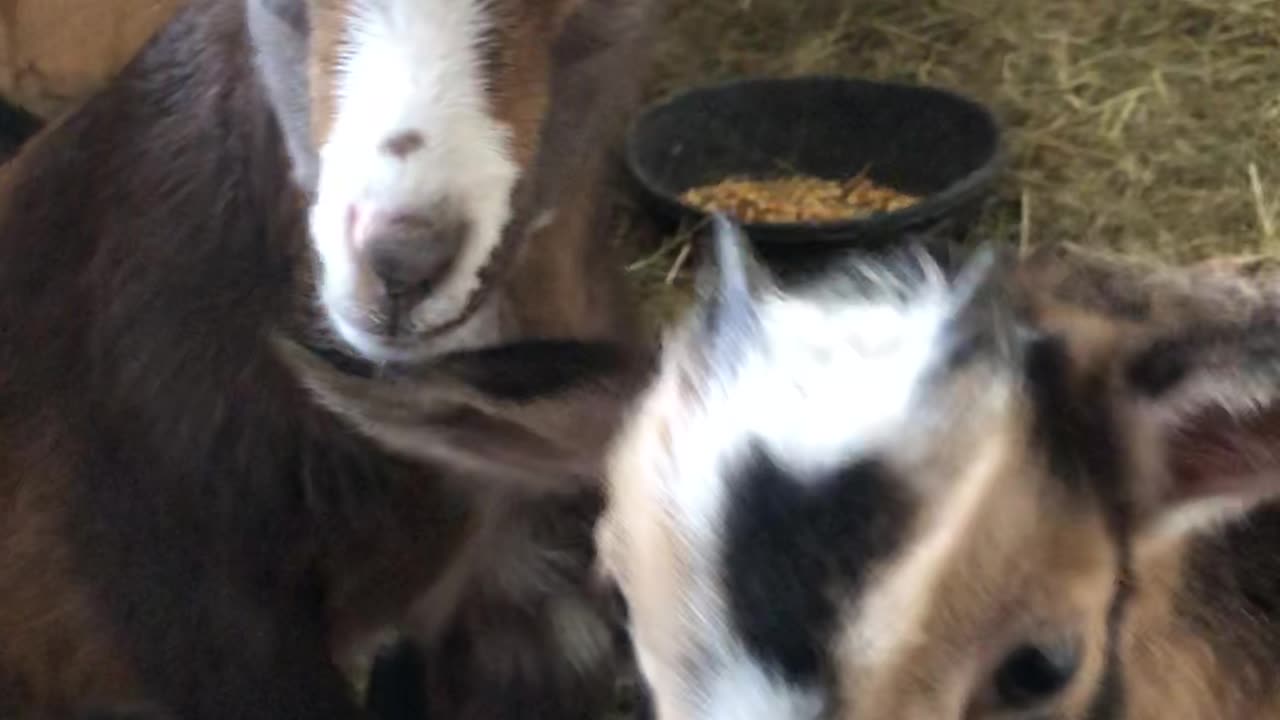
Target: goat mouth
488 279
390 335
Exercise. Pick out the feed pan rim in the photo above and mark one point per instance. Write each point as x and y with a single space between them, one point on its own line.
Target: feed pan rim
965 189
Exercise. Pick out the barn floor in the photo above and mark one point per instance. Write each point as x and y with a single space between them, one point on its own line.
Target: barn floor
1151 129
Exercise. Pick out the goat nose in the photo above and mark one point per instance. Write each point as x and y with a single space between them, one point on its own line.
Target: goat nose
411 254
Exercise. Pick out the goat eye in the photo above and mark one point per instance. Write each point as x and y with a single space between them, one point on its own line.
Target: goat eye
1033 674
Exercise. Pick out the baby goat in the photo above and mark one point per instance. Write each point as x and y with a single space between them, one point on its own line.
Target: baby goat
887 496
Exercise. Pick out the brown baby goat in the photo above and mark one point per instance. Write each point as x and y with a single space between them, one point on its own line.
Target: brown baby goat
182 525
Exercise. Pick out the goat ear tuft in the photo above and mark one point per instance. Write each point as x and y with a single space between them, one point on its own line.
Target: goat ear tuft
731 284
280 33
983 314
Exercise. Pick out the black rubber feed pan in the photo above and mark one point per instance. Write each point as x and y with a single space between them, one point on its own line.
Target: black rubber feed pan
918 140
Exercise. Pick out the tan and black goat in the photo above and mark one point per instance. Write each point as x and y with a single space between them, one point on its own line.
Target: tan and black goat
1022 494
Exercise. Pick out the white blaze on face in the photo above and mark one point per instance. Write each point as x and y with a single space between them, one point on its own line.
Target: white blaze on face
411 66
825 382
833 383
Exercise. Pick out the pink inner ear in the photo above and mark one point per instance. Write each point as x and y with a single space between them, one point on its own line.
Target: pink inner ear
1215 453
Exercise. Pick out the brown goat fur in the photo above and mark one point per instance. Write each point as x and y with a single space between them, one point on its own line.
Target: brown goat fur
182 525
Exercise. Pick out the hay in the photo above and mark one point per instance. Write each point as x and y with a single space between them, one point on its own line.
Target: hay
658 269
1151 129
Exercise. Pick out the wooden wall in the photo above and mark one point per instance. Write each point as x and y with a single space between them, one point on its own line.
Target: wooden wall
54 52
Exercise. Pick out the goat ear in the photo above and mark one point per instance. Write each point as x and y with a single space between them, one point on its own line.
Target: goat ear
731 283
279 30
539 414
734 275
1209 396
984 313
